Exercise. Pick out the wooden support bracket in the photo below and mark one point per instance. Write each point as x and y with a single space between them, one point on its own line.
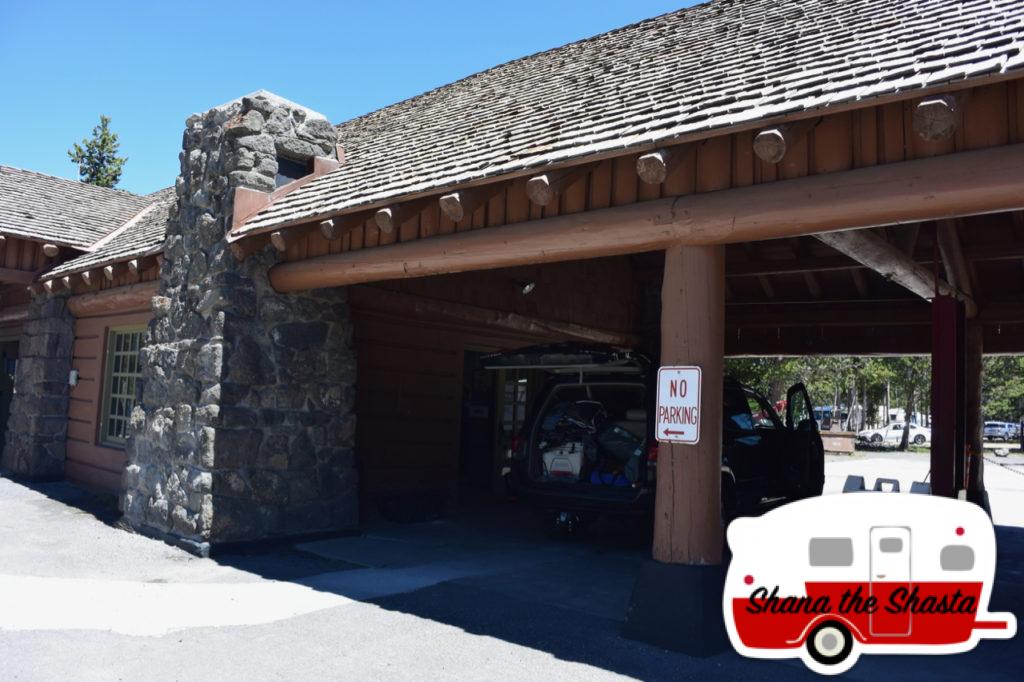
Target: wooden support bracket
338 227
655 166
391 218
935 117
461 203
543 188
771 144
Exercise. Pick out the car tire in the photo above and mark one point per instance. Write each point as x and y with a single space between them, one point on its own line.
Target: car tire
918 439
876 438
830 643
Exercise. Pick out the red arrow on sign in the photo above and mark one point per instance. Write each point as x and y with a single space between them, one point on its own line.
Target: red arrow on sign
674 433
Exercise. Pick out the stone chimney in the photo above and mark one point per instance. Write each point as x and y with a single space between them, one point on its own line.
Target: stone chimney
245 427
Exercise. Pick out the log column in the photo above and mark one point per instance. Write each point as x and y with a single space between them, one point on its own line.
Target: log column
677 599
948 427
973 349
688 518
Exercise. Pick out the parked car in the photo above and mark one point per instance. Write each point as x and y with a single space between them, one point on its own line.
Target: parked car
1002 430
893 434
587 446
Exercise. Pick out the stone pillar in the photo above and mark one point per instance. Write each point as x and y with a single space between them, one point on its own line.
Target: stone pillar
245 428
38 422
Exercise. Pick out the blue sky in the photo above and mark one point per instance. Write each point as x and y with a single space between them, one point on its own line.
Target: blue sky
148 65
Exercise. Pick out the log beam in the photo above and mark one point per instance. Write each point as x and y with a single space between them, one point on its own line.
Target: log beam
131 298
543 188
953 259
406 305
935 117
869 249
967 183
243 248
336 228
137 266
51 250
654 167
284 238
113 270
457 205
771 144
391 218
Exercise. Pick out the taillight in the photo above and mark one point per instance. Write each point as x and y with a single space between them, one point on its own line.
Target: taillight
516 446
652 461
652 455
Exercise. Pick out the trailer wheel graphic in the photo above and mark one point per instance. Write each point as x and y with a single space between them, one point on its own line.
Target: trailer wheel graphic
830 643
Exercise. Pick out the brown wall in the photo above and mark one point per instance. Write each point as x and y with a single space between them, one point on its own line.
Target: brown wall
410 368
88 462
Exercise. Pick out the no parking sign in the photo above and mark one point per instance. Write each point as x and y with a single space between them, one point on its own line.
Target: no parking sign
678 419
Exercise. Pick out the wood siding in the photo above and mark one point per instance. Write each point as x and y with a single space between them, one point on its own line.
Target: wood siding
990 116
89 463
410 369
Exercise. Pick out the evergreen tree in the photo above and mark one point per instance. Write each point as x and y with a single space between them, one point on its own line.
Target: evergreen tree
97 159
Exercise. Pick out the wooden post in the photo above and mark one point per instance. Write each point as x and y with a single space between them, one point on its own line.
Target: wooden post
677 598
973 340
688 509
948 429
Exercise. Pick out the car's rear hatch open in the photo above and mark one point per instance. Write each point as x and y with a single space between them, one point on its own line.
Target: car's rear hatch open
589 431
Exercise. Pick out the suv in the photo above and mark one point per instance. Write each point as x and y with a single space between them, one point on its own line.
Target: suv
1001 430
587 445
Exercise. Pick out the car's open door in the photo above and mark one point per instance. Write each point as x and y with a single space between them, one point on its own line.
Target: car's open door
805 460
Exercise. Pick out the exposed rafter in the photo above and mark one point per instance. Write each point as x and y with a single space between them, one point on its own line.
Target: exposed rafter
868 248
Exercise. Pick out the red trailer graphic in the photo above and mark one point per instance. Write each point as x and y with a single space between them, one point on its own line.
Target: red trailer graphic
829 578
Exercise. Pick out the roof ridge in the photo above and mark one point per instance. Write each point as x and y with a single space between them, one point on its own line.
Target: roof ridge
124 226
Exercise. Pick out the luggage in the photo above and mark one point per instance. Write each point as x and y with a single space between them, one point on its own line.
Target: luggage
564 461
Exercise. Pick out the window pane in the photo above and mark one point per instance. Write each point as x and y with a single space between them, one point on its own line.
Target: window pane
120 383
831 552
956 558
891 545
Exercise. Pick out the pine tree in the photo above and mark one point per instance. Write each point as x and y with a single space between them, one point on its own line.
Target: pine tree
97 159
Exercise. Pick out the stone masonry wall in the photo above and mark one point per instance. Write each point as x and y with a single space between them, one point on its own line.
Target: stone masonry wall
38 422
246 423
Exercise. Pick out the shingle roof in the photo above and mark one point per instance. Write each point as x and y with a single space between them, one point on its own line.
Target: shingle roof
708 67
64 212
143 234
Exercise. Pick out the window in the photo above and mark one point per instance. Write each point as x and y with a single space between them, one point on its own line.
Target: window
831 552
736 411
122 374
891 545
289 170
956 558
761 413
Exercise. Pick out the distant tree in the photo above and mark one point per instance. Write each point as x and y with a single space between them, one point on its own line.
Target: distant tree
1003 388
97 159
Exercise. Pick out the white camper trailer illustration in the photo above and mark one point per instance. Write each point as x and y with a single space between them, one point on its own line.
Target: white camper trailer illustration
828 578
